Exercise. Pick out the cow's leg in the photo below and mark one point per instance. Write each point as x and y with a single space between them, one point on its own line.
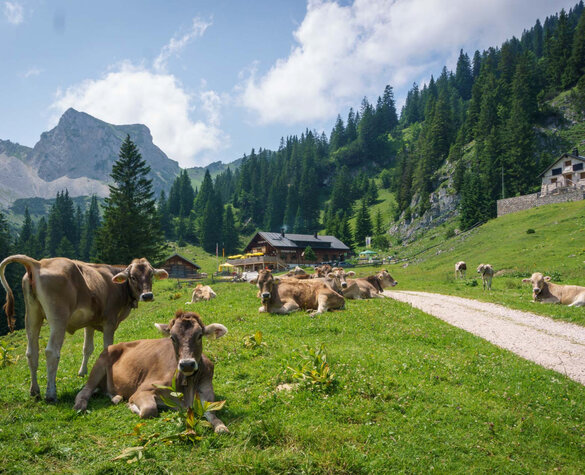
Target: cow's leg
321 305
88 333
53 351
143 403
289 307
109 330
206 393
98 373
33 321
578 303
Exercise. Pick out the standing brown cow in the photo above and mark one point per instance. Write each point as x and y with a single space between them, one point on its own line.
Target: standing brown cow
460 269
131 370
72 295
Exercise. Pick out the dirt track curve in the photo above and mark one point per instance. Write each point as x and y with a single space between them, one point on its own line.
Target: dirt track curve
555 345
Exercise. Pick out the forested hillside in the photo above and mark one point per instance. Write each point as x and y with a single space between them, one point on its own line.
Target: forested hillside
490 123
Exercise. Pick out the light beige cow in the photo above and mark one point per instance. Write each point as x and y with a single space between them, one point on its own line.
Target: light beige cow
460 269
368 287
544 291
487 273
72 295
201 292
129 371
291 295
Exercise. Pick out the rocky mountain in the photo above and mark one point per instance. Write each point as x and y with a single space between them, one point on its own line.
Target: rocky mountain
78 155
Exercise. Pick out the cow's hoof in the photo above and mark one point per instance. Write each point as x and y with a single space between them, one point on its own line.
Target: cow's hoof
82 372
80 406
222 429
116 399
51 399
35 393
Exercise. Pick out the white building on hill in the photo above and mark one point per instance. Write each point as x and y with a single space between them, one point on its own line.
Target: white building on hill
567 172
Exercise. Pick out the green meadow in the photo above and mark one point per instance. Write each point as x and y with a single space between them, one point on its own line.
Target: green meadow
407 392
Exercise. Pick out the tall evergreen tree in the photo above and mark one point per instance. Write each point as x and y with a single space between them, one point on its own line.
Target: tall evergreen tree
131 227
26 243
363 225
91 225
230 236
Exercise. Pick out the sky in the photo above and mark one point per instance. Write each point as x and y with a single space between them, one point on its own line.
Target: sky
213 79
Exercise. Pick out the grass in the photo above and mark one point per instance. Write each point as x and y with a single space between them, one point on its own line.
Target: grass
410 394
556 248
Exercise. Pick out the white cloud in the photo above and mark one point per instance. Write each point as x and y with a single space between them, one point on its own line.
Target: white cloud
177 43
31 73
343 52
130 94
13 12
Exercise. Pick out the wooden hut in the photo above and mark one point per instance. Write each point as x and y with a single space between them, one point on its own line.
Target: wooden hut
180 267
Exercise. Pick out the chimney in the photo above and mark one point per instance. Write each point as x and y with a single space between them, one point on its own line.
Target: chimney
315 235
576 152
282 232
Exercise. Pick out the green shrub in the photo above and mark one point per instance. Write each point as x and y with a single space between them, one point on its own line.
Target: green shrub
530 231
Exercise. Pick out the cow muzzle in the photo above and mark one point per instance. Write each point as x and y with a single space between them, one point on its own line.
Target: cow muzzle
344 285
536 291
265 296
188 366
147 297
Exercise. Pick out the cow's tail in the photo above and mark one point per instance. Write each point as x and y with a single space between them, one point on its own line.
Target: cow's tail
29 263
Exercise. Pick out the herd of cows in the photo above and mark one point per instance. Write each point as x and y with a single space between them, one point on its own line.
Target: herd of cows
72 295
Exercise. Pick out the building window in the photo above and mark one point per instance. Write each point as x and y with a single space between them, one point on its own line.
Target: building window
568 163
557 171
553 180
582 176
577 167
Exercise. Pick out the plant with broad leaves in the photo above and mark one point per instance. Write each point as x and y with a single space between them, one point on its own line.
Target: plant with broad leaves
313 370
5 358
254 341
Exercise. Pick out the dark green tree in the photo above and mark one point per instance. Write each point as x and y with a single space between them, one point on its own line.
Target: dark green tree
309 254
230 236
363 225
131 226
90 228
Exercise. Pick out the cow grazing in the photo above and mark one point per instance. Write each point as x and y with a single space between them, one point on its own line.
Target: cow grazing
130 370
487 273
290 295
73 295
201 292
460 269
366 287
544 291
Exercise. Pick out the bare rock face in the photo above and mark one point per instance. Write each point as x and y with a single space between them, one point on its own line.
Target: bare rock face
83 146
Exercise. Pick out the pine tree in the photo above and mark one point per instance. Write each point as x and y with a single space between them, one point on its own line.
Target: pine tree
164 214
41 238
378 223
131 227
90 228
576 67
186 194
363 225
212 223
230 236
463 76
26 239
338 138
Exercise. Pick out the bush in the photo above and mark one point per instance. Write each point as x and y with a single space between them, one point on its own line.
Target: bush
449 233
530 231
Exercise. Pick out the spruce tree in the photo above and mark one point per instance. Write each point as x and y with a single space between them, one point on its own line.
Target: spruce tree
363 225
131 226
229 233
91 225
26 238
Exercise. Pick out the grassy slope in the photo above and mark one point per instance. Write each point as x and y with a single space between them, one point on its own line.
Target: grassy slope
557 248
413 394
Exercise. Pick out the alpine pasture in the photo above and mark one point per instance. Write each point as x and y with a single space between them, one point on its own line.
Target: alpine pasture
408 392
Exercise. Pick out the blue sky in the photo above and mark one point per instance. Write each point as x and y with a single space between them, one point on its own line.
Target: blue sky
214 78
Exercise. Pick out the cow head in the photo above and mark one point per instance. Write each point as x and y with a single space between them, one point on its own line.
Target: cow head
334 282
187 331
265 283
341 276
386 279
481 268
139 276
538 282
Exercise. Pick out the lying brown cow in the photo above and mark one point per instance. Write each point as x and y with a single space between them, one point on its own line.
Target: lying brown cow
201 292
487 273
368 287
297 273
73 295
130 370
321 271
544 291
460 269
289 295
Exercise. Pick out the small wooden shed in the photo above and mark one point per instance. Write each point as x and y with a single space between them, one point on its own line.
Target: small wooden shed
180 267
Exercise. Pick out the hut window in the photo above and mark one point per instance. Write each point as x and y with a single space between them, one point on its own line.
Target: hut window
553 180
557 171
577 167
568 163
582 176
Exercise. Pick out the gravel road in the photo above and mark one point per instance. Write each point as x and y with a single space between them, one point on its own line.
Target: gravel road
553 344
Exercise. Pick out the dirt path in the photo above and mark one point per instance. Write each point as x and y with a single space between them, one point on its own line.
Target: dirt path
555 345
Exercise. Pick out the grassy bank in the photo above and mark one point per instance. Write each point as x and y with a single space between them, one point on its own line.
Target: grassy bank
410 393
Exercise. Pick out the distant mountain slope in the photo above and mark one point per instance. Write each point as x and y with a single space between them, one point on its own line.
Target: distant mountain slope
83 146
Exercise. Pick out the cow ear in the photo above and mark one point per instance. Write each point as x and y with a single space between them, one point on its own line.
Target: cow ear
547 278
164 328
526 281
254 281
120 278
161 274
350 273
215 330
